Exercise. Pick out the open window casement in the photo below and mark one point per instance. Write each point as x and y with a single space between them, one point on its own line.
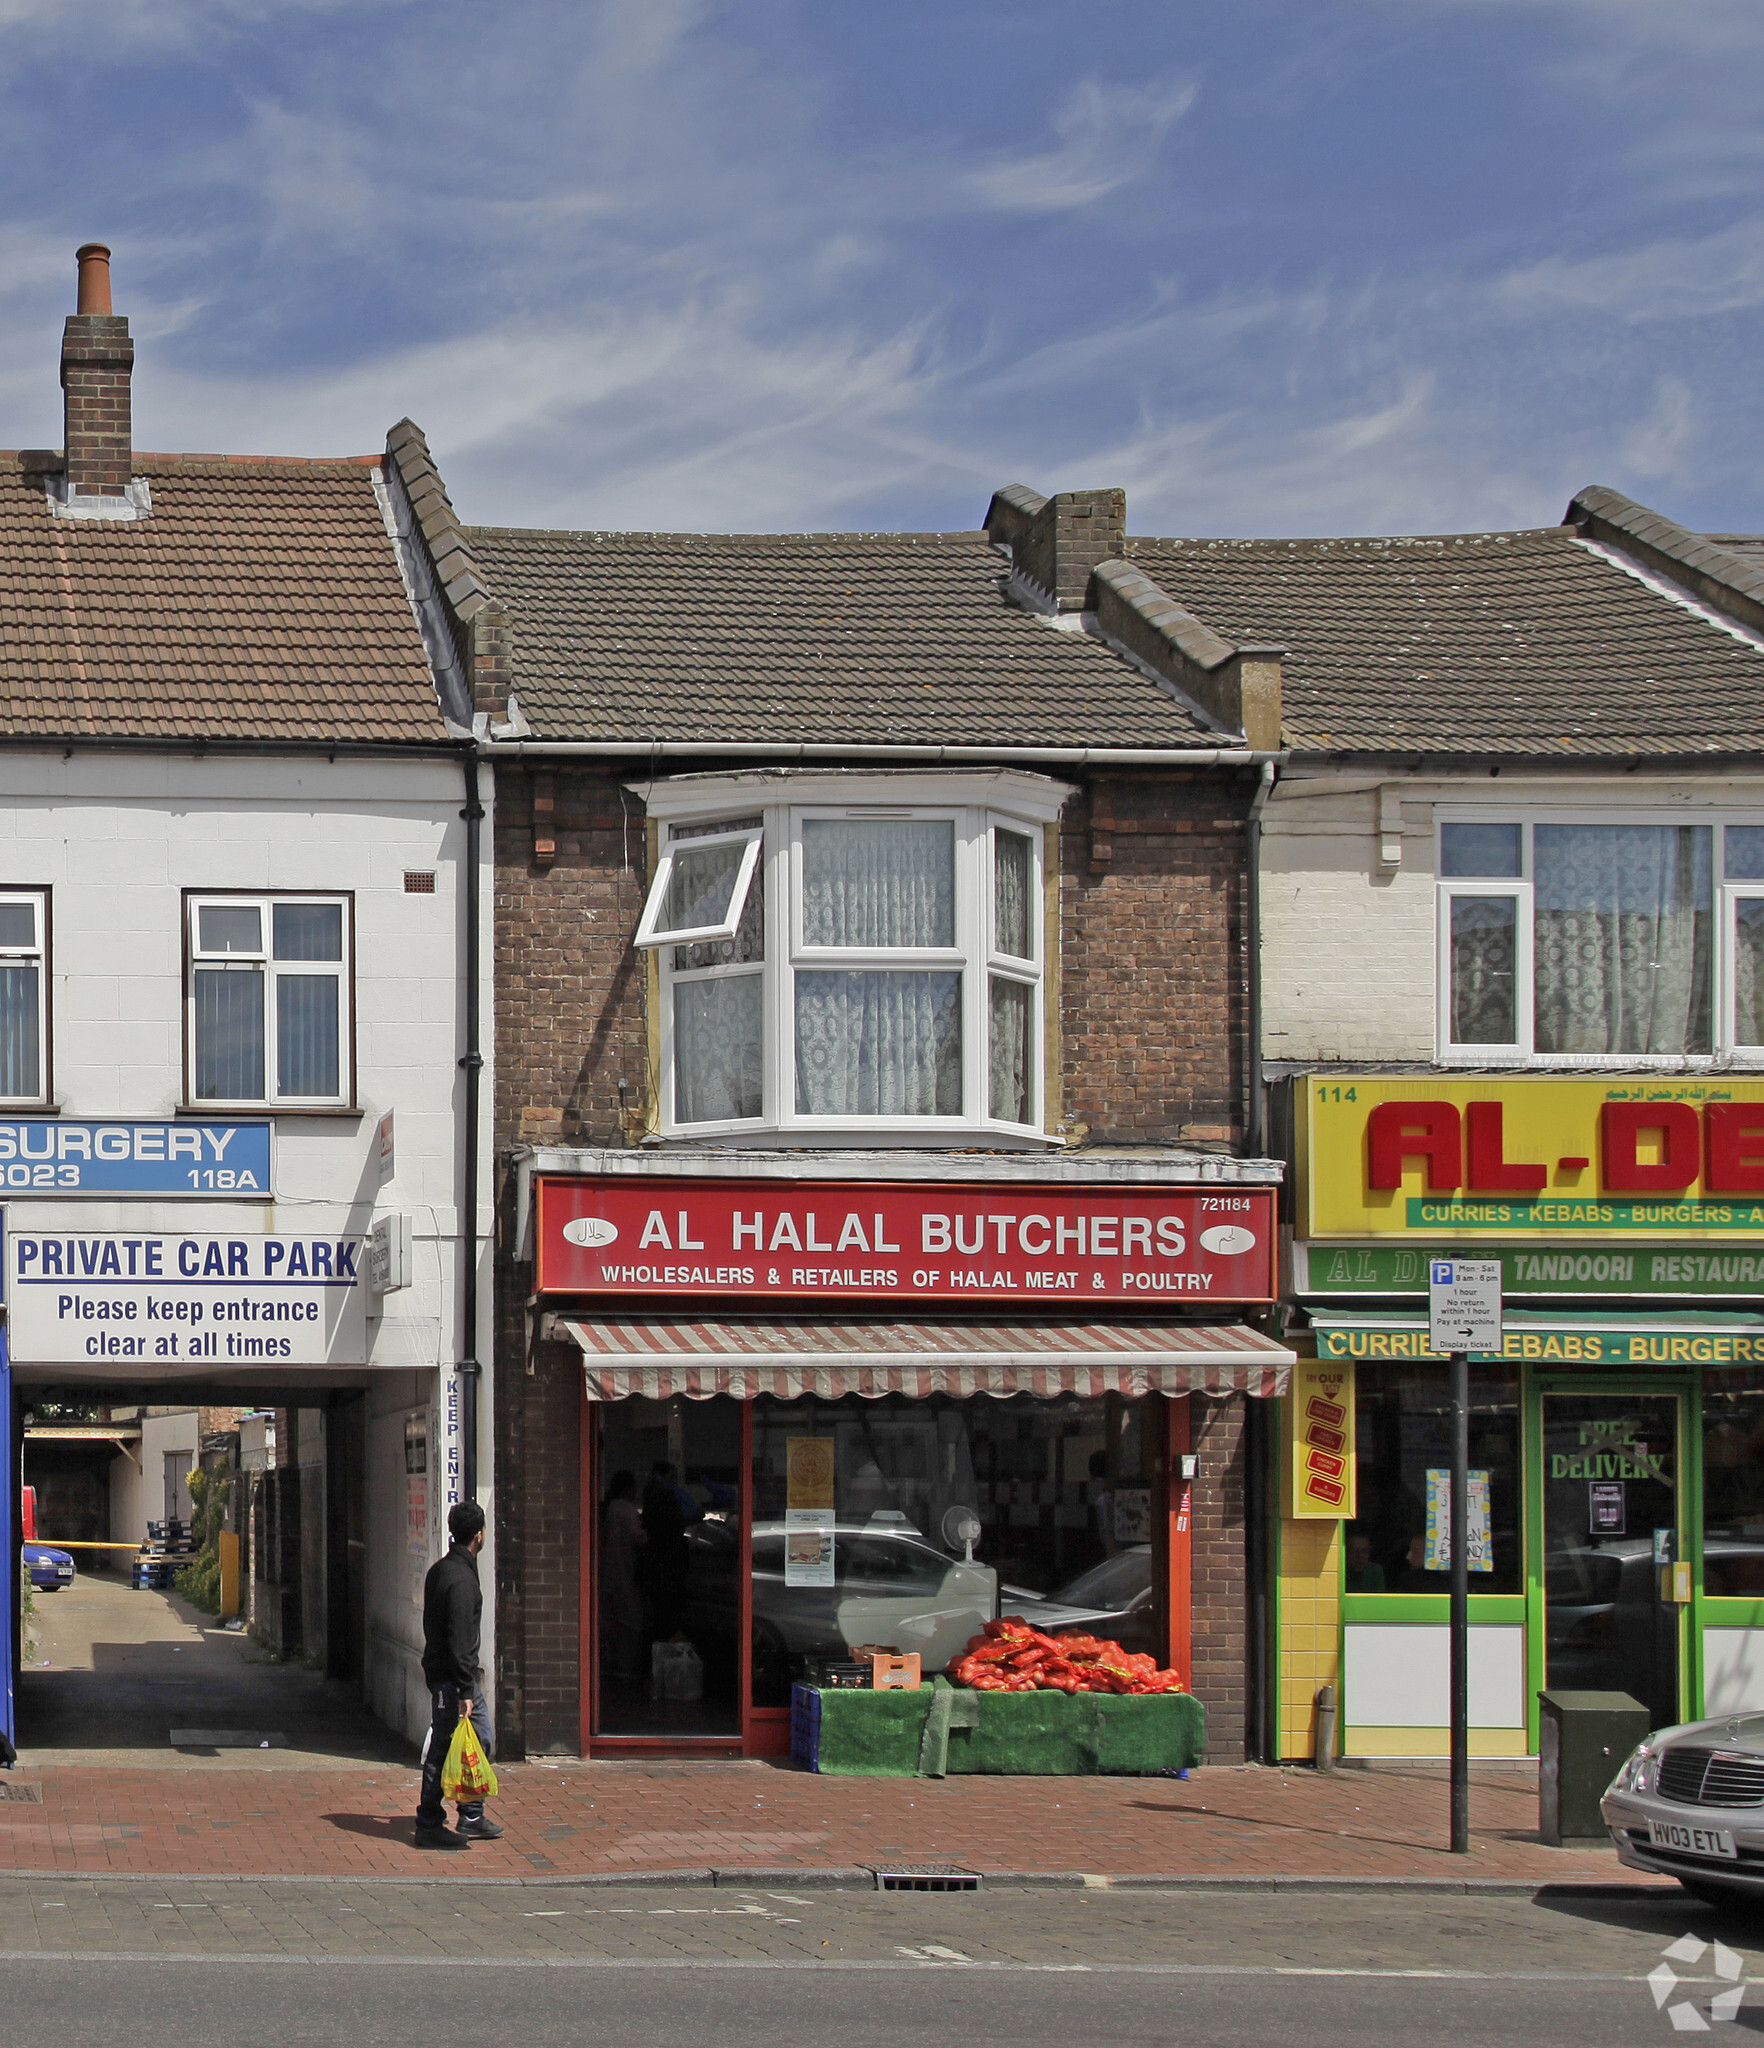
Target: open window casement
700 889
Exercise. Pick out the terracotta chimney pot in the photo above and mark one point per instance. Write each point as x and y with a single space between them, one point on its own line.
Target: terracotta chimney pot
94 261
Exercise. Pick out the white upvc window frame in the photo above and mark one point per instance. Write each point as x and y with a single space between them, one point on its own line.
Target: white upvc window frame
264 962
1453 889
34 955
975 805
1724 897
652 934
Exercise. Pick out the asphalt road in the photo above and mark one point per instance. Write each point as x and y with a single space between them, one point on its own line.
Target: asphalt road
183 1965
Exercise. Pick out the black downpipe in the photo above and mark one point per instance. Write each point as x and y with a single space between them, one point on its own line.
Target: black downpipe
1255 1122
1257 1449
472 1066
1257 1510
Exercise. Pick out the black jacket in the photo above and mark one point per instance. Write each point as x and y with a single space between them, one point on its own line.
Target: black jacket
453 1614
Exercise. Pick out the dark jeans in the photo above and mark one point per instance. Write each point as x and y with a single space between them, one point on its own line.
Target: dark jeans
443 1719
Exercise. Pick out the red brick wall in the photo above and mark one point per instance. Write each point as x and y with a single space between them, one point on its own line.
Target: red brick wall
1152 959
1218 1574
1151 901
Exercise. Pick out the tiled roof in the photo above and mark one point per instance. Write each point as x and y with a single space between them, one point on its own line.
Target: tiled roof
261 600
1502 643
890 638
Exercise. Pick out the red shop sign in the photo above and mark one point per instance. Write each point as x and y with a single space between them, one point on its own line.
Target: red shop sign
923 1243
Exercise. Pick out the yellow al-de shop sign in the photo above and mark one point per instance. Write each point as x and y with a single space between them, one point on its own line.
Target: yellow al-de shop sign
1320 1441
1436 1156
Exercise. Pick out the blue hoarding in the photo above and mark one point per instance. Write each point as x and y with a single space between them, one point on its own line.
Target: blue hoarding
189 1157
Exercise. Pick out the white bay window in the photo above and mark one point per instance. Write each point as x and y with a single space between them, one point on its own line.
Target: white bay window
829 966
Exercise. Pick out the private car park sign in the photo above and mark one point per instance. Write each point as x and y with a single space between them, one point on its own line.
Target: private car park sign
116 1298
927 1242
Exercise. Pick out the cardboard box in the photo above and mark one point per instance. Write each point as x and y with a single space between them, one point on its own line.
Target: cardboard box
896 1674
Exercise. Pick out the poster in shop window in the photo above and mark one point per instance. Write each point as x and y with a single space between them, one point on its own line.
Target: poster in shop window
808 1510
808 1472
1439 1522
1320 1441
808 1546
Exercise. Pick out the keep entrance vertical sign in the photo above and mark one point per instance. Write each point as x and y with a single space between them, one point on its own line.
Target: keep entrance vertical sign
1464 1304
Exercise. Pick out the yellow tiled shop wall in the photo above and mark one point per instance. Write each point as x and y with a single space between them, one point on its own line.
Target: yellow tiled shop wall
1310 1628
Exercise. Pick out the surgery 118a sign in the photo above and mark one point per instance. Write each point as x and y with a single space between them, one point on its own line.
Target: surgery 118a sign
925 1243
186 1157
117 1298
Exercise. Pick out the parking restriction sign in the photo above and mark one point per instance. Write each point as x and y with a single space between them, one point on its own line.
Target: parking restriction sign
1464 1304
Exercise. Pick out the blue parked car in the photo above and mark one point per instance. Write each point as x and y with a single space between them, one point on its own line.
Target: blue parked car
50 1569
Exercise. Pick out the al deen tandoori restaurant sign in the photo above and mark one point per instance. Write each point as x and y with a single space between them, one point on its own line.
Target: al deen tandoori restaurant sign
924 1243
1415 1155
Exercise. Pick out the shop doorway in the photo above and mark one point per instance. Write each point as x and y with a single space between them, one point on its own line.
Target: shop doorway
734 1545
1612 1536
671 1563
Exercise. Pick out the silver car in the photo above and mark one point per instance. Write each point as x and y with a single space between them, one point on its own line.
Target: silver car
1689 1804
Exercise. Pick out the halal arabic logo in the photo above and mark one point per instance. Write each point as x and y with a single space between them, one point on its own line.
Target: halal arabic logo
1684 2013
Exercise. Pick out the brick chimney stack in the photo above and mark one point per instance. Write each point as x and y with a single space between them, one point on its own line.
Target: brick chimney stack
97 359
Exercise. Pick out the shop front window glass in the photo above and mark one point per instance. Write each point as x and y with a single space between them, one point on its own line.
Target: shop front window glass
860 1508
1733 1494
1404 1452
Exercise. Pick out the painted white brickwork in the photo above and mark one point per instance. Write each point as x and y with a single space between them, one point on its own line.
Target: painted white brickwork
1348 949
116 839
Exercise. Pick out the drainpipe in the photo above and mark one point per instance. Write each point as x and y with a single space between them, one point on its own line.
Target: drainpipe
1255 1122
471 1064
1258 1493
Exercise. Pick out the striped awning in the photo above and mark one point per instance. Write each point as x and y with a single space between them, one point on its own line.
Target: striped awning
659 1357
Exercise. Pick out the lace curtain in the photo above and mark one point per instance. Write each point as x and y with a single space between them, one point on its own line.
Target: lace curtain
717 1048
1011 872
878 1042
878 882
1748 971
1623 924
1483 1008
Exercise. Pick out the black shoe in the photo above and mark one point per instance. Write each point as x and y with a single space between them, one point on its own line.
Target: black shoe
441 1837
480 1829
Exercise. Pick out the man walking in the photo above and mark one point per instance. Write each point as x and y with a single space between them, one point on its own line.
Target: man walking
453 1613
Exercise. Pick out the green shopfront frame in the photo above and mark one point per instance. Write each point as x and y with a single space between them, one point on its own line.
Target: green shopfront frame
1585 1609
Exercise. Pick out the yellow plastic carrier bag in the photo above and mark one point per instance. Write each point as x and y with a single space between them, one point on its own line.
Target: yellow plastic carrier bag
466 1774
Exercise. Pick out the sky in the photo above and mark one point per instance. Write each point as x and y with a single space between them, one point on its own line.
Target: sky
1273 266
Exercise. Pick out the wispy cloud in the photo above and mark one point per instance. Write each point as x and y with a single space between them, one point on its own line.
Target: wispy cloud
1106 136
676 263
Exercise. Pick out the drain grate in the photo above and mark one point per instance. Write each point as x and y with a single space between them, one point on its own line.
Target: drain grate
925 1877
21 1794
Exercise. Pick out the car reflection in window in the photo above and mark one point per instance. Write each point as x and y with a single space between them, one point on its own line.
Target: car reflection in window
1112 1599
889 1586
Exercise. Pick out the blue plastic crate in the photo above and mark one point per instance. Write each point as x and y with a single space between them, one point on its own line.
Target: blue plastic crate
805 1727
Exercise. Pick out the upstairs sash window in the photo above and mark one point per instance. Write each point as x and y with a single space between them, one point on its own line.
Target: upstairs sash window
23 995
268 1004
1574 941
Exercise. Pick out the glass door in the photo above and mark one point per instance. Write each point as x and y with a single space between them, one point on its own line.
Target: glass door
1611 1539
669 1569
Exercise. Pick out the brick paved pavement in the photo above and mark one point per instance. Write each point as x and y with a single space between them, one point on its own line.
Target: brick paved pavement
578 1819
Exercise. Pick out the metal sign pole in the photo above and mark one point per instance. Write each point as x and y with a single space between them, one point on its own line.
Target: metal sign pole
1463 1315
1460 1628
